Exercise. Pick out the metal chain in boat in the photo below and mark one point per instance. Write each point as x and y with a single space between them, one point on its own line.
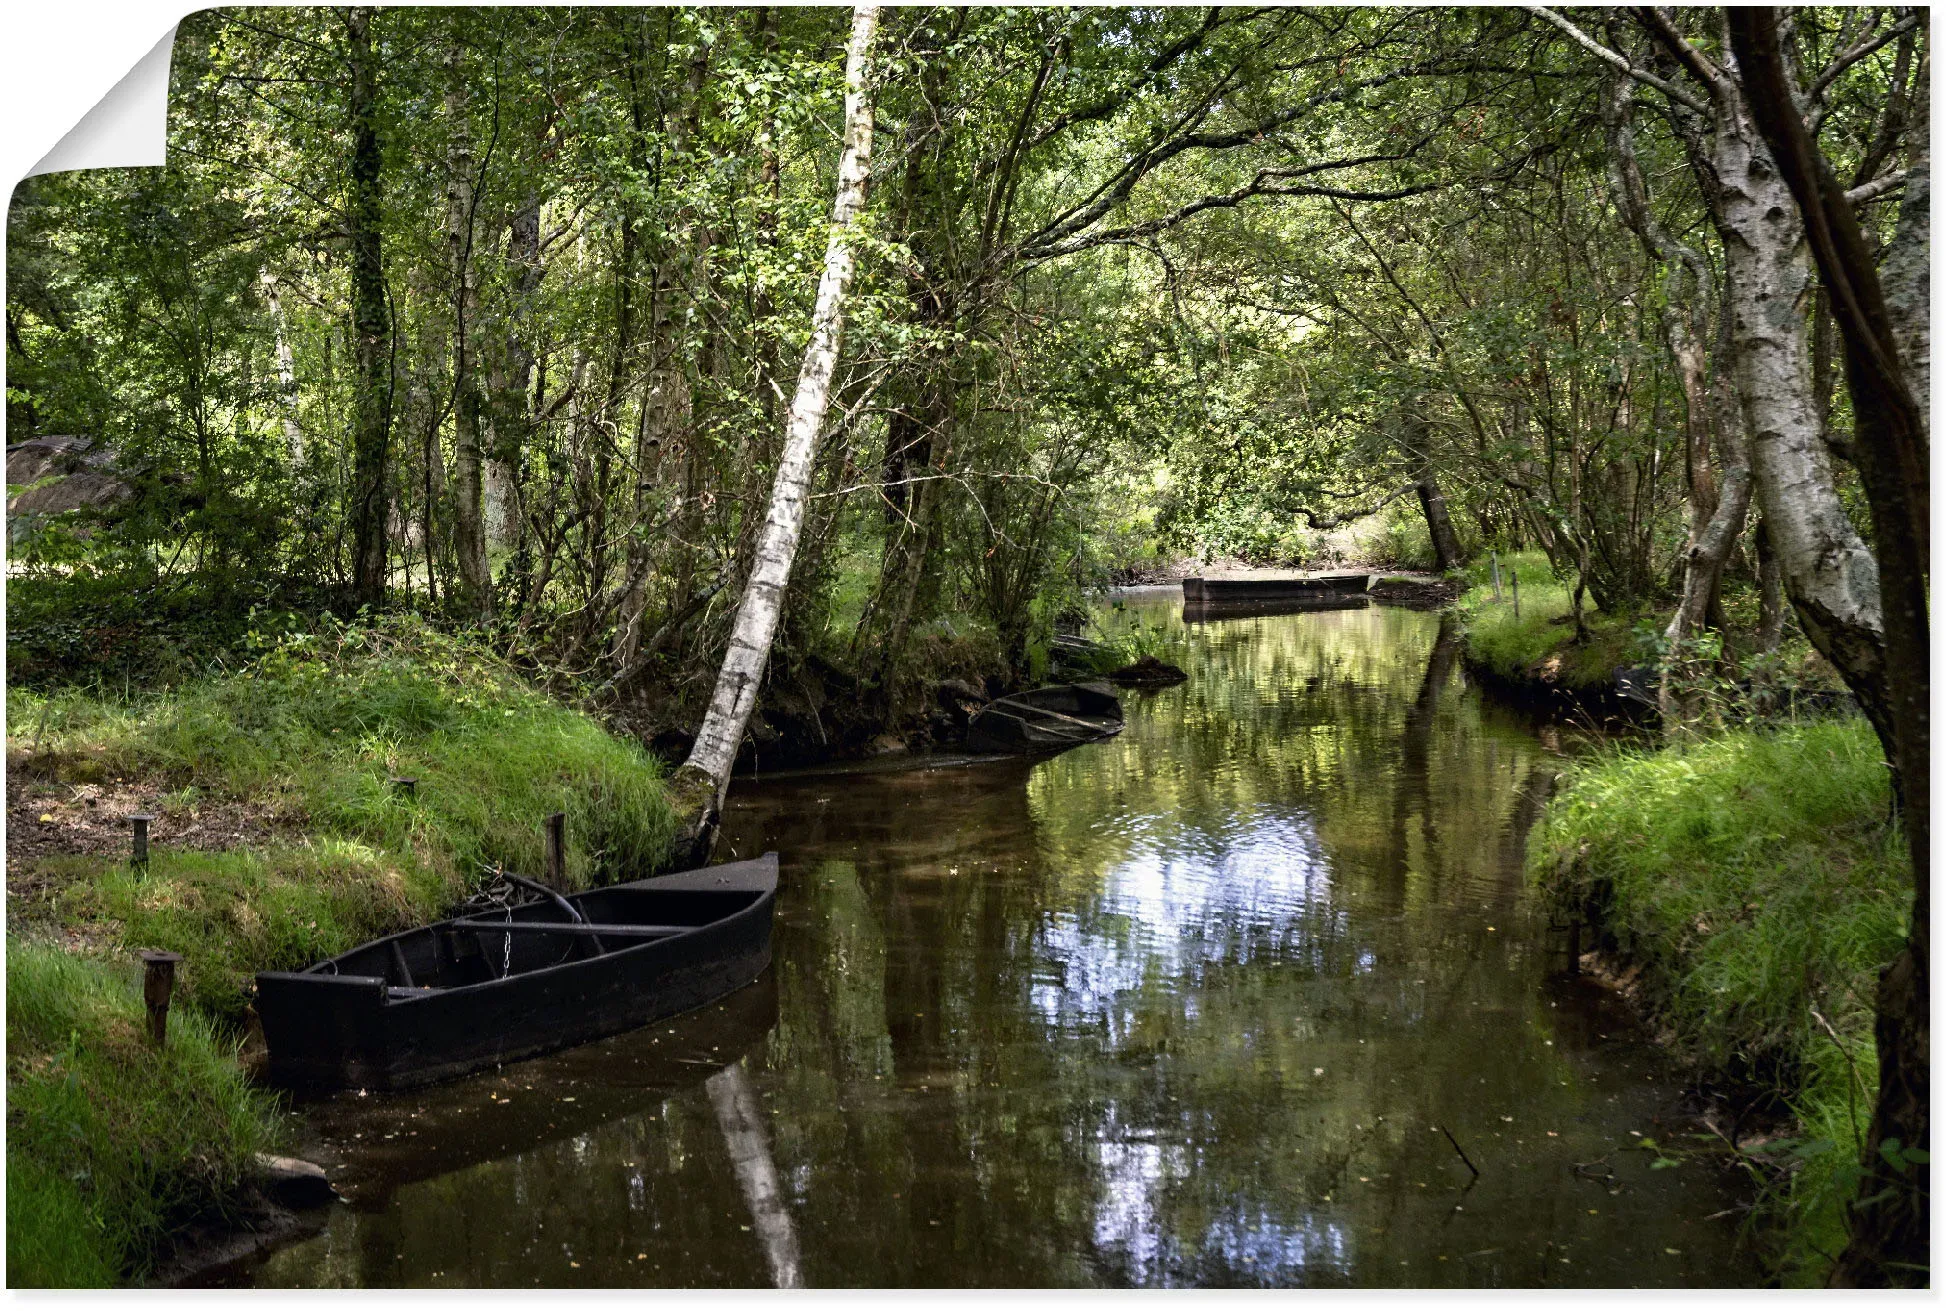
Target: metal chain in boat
507 952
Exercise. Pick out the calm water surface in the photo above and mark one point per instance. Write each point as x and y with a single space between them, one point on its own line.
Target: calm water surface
1196 1005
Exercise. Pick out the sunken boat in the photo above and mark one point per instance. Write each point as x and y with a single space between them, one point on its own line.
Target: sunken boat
1046 719
479 990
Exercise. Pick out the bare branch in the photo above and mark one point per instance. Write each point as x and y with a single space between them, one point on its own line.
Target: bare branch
1694 61
1876 189
1616 60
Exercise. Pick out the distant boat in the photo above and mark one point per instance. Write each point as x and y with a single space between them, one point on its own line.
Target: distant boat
1046 719
1314 586
448 998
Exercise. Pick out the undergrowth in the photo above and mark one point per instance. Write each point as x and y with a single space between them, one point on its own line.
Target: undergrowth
111 1144
1757 881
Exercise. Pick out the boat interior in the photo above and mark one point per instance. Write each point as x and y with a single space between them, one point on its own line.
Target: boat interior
538 934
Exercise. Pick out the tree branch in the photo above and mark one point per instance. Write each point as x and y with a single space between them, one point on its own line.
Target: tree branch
1616 60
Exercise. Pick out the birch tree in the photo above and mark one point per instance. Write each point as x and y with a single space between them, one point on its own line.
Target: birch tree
1891 1219
698 787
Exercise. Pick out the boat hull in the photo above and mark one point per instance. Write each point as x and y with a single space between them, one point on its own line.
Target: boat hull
1235 590
356 1022
1046 719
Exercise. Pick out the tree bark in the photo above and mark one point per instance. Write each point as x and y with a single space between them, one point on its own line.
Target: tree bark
1907 271
1715 513
1829 572
699 786
1770 594
474 595
371 324
1446 550
286 373
510 410
665 426
1891 1217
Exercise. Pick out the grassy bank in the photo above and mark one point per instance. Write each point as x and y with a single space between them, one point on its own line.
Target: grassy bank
1537 647
279 838
1754 879
110 1143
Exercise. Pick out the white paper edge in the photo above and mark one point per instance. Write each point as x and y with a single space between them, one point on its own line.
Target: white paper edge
128 127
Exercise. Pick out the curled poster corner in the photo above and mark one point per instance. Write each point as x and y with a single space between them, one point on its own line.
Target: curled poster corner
128 127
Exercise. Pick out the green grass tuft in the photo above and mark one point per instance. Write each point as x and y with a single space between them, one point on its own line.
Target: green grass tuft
1757 880
111 1144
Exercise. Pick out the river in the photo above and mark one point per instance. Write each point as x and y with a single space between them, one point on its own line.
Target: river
1232 999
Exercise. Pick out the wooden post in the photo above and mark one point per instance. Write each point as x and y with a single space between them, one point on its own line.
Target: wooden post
557 849
138 854
1496 575
158 984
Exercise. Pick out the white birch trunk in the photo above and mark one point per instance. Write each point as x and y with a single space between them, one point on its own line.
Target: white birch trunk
763 597
1829 571
286 374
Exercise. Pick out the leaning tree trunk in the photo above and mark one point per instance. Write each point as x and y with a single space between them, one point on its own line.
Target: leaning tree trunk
1828 570
1891 1218
371 324
1446 551
697 789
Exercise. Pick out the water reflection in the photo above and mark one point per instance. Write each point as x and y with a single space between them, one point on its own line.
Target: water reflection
1195 1005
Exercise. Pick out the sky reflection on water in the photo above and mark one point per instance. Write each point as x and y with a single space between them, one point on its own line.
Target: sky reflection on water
1191 1006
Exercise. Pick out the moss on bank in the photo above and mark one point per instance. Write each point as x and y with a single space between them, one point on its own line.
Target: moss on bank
303 743
1756 880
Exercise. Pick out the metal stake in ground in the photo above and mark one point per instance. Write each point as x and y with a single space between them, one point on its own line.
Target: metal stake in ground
158 984
1515 574
138 855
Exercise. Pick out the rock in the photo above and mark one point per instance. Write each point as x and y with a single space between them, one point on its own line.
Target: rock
887 744
294 1183
1148 672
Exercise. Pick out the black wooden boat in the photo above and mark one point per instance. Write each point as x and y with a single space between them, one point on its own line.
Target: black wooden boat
1046 719
439 1001
1310 587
